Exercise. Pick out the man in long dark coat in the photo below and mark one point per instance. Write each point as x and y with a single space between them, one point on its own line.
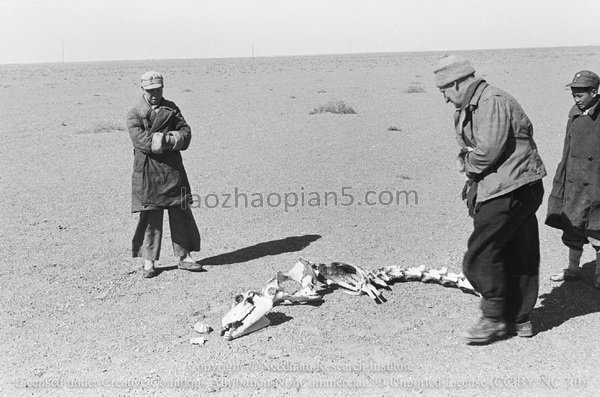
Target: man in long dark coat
574 203
159 133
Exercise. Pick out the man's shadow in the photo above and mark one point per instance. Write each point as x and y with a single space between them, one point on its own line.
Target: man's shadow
274 247
568 300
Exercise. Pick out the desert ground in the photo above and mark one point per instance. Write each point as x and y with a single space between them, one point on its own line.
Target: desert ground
78 318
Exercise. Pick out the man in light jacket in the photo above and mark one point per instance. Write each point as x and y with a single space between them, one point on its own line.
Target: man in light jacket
503 191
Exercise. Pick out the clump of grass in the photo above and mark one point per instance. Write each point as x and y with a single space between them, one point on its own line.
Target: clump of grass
336 107
415 89
101 127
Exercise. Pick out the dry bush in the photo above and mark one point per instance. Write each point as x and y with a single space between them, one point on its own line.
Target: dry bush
101 127
337 107
415 89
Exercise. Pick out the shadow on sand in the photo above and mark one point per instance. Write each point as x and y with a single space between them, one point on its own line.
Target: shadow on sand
275 247
277 318
568 300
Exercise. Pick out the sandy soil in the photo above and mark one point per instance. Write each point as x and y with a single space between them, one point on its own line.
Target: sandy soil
78 318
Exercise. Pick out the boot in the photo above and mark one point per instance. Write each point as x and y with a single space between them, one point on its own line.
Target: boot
485 331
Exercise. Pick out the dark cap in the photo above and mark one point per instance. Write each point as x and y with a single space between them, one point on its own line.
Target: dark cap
585 78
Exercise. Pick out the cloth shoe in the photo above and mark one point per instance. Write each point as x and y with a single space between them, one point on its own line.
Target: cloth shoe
149 273
523 330
567 275
486 330
191 266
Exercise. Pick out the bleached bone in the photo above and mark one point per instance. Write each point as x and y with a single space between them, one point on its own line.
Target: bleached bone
391 273
450 279
414 273
466 286
421 273
353 278
302 273
433 275
248 314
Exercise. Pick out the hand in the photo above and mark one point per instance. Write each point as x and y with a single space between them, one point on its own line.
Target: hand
157 142
465 189
174 140
169 139
460 158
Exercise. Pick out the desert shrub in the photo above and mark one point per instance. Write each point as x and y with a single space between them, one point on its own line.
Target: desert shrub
415 89
100 127
337 107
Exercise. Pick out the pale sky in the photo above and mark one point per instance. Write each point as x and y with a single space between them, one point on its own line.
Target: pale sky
100 30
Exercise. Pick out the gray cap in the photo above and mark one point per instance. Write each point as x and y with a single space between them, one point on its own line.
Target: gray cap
451 68
151 80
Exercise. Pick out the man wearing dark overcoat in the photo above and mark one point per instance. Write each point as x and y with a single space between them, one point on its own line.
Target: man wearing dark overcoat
159 134
574 203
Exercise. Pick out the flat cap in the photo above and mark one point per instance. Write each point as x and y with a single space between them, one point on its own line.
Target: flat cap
451 68
152 80
584 79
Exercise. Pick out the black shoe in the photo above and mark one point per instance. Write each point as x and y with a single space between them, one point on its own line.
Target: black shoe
485 331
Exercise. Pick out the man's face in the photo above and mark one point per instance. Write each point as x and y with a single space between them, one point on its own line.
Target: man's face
452 93
584 97
154 95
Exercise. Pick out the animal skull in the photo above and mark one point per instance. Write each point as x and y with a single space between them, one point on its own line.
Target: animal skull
248 313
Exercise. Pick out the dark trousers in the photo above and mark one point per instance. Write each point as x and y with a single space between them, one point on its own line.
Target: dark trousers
503 255
148 233
576 238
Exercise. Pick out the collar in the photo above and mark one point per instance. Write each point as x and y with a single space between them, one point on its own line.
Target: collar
592 112
473 94
150 105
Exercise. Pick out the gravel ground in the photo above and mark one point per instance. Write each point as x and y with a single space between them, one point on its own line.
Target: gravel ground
78 318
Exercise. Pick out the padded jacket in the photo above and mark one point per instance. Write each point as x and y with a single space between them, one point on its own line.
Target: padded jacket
504 155
158 135
575 197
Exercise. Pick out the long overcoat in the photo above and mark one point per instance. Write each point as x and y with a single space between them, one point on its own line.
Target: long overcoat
159 179
575 197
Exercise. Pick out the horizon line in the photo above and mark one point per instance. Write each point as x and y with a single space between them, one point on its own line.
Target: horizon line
294 55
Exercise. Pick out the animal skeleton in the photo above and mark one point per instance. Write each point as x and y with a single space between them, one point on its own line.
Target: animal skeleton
248 313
